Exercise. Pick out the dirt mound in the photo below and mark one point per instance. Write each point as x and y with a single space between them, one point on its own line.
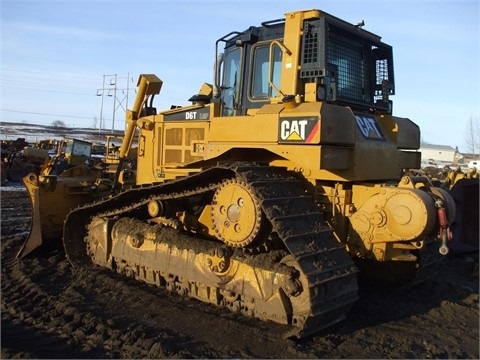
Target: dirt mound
51 310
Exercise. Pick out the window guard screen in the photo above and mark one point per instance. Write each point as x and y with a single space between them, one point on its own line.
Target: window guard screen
354 62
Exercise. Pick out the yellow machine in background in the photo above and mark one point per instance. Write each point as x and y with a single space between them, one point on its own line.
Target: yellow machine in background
71 177
278 181
65 181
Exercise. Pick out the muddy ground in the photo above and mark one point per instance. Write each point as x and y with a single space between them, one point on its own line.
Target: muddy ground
51 310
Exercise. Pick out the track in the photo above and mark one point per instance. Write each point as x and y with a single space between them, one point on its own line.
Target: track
328 275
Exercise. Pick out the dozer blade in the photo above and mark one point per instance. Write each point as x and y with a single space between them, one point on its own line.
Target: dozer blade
465 227
52 197
49 209
34 238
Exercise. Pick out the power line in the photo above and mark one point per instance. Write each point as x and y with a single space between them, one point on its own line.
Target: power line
62 82
41 89
37 113
48 75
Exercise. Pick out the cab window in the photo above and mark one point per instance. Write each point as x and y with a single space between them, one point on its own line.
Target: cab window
231 83
260 88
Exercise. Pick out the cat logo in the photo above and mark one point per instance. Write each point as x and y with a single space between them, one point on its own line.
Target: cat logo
296 129
369 128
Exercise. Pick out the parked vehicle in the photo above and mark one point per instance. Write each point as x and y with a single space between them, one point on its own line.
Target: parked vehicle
474 163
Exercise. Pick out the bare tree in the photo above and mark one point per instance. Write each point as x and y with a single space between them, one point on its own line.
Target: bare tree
58 123
472 137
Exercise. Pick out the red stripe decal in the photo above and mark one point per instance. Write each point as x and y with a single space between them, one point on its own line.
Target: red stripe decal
313 133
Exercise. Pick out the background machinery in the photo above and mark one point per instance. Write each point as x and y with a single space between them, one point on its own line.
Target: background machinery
276 184
64 181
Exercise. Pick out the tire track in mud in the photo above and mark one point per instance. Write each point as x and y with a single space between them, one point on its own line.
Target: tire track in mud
48 311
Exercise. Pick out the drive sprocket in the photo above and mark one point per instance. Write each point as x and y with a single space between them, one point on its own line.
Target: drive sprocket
236 213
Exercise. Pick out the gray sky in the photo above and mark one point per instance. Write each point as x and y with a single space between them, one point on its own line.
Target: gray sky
54 55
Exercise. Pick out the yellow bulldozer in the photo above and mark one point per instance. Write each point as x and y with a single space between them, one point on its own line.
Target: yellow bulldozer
278 182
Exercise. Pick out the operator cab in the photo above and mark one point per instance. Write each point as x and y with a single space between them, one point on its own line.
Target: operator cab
343 63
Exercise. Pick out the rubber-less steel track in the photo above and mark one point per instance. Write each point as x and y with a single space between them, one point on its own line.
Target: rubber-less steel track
328 274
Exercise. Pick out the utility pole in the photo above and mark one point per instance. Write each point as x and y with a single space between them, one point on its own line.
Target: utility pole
112 91
101 92
114 83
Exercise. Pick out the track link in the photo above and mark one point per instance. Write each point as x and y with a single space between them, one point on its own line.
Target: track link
328 271
312 259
